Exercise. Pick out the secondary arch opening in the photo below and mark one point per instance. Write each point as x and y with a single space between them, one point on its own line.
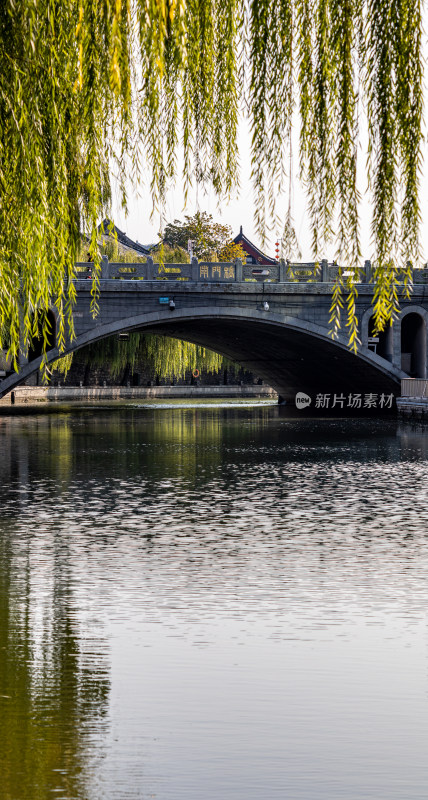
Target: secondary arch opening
413 345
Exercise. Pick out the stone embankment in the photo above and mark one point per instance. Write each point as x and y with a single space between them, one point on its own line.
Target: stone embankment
413 403
35 395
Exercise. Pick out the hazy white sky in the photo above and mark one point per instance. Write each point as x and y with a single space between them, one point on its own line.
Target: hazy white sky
240 210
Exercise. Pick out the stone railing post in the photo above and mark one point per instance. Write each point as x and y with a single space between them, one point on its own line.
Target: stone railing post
238 270
194 269
367 271
282 271
324 270
105 272
149 268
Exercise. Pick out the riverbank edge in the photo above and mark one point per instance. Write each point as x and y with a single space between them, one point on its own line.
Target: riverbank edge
37 395
413 407
413 403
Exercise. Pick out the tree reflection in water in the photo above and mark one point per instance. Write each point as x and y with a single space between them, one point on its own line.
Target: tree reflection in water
185 516
53 686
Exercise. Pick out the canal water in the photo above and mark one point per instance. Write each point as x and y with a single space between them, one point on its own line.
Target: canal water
212 604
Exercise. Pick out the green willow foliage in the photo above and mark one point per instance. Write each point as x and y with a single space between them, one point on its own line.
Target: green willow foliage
167 357
92 87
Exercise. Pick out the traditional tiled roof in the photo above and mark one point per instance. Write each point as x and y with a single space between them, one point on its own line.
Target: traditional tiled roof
109 229
252 250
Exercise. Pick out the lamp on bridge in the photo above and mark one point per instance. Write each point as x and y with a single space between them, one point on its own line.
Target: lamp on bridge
172 304
265 306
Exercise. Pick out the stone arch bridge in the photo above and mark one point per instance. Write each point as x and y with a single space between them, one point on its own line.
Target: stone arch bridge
274 321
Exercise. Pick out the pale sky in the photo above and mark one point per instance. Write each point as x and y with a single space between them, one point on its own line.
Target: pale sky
240 210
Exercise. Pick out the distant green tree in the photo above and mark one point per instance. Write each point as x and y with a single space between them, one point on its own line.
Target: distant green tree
208 237
230 251
115 252
167 254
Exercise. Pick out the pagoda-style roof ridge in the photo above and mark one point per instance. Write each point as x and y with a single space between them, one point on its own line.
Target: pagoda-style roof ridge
125 240
253 250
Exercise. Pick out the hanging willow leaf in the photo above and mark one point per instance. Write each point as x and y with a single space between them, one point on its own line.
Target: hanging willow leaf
166 357
91 88
270 100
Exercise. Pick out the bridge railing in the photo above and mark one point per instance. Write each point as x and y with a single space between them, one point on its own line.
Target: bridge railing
232 272
304 272
414 387
118 270
215 271
420 275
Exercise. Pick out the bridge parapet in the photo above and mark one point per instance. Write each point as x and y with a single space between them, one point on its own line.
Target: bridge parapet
232 272
305 272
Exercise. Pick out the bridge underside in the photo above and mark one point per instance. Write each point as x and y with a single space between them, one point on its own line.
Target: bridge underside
285 354
288 360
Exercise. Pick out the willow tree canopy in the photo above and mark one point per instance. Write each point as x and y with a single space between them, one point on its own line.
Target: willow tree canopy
89 88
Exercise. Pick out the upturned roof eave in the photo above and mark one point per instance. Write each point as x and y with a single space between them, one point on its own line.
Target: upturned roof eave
122 237
255 250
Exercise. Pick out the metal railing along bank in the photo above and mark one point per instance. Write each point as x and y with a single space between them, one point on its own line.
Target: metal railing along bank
414 387
229 272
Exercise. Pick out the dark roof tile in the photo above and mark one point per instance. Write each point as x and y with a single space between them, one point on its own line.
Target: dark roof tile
252 250
107 226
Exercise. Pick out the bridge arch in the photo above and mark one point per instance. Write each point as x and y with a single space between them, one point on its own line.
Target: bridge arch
413 322
288 353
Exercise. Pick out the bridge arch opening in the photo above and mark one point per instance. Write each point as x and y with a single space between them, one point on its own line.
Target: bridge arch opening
380 342
413 345
290 355
36 346
288 358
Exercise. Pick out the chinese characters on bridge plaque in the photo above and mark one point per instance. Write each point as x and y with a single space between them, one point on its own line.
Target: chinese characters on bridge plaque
224 272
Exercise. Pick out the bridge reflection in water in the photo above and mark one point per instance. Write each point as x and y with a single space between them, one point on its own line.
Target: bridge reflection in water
274 321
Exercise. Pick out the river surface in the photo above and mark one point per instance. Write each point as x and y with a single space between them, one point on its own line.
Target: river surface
212 604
